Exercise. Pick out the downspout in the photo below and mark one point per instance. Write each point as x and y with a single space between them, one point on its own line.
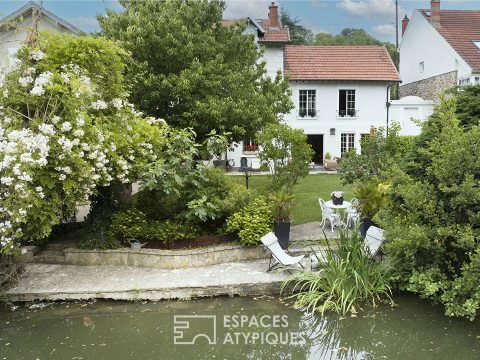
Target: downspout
388 102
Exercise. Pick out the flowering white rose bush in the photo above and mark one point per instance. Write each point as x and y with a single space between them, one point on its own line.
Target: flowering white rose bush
66 127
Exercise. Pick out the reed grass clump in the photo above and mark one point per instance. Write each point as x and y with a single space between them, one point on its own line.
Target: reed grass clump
348 278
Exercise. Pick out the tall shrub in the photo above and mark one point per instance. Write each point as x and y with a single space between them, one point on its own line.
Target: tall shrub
286 152
433 221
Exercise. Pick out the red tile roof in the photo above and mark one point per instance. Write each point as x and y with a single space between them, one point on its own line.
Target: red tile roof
460 28
368 63
278 35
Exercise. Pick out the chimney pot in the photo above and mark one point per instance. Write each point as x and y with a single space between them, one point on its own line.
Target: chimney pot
405 22
435 13
273 15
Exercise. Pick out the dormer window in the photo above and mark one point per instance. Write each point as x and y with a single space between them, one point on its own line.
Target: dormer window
476 43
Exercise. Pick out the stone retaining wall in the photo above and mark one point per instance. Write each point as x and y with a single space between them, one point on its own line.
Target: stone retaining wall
429 88
164 259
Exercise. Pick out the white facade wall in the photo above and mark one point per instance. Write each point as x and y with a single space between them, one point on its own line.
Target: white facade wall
408 110
422 43
273 56
370 102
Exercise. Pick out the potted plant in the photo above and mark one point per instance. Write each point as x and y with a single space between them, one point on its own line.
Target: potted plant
337 197
282 203
312 113
302 113
371 196
328 156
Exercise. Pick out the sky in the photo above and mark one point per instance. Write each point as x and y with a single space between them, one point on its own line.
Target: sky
377 17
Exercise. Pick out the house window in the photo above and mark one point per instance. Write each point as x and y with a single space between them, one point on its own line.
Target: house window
421 66
464 81
306 102
249 145
347 142
346 103
477 80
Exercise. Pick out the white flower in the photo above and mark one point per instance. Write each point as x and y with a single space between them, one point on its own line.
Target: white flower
22 212
99 104
337 194
37 55
24 81
47 129
117 103
55 119
5 93
78 133
80 121
37 90
65 78
66 126
6 180
7 120
62 177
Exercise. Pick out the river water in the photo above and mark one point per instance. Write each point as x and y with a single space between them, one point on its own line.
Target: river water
232 328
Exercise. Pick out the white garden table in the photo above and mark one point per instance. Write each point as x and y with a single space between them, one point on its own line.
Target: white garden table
337 208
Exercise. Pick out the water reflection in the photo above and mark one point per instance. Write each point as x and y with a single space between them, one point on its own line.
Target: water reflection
118 330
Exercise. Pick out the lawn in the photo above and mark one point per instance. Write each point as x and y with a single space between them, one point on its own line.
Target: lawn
307 192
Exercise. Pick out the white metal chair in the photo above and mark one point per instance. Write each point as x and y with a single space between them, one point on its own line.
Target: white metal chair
353 216
282 259
327 214
373 240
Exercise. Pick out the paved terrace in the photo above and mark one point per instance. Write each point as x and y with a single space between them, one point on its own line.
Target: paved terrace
74 282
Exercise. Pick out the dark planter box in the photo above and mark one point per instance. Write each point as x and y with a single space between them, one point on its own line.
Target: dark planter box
365 225
337 201
282 232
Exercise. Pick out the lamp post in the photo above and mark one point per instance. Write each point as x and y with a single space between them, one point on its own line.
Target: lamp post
246 172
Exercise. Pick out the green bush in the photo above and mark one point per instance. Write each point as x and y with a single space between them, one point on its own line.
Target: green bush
133 224
128 225
251 222
348 278
432 219
380 154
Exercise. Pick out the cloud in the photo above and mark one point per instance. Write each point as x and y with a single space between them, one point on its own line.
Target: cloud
238 9
85 23
319 4
384 30
384 9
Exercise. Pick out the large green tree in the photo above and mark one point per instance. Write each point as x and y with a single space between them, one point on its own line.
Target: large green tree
352 36
298 33
194 72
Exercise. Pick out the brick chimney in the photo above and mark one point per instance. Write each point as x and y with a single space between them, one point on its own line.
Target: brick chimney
405 22
435 13
273 15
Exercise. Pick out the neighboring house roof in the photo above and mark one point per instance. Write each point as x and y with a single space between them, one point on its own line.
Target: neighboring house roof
280 35
27 9
366 63
460 28
265 34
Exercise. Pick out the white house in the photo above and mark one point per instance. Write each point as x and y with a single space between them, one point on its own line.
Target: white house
11 38
339 92
439 49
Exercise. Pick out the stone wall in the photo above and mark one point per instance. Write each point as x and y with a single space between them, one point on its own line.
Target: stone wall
429 88
165 259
